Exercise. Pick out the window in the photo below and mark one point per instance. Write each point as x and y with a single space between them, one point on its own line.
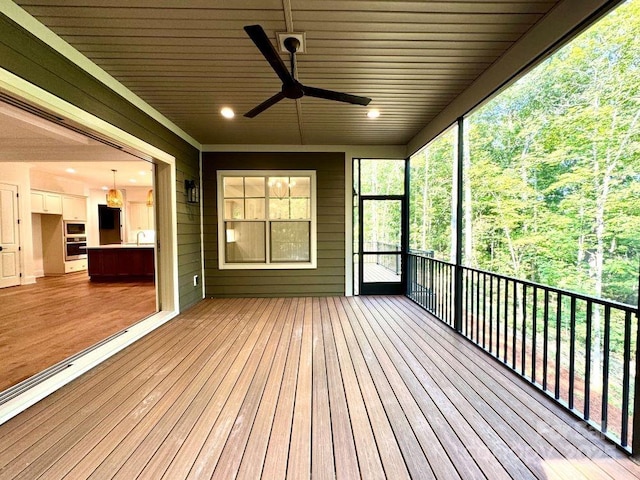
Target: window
266 219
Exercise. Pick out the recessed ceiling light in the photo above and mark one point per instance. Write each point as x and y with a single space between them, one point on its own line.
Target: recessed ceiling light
105 188
70 170
133 180
142 172
373 113
226 112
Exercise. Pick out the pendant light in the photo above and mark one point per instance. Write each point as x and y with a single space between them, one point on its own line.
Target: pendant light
150 198
114 196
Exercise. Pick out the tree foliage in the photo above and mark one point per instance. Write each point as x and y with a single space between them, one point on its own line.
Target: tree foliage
554 170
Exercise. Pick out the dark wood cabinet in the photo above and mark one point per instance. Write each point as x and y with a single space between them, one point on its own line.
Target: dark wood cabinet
121 263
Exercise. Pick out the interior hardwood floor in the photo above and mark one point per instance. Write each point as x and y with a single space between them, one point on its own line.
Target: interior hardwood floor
299 388
44 323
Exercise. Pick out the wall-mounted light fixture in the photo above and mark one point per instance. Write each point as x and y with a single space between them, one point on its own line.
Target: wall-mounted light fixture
192 190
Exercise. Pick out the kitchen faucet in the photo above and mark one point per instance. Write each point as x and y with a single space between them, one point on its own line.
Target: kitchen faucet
138 237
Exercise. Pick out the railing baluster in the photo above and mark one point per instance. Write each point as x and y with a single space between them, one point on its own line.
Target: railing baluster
445 294
448 294
484 309
506 320
534 333
572 353
452 310
545 345
491 313
587 360
498 319
477 317
440 289
432 286
558 345
514 323
605 369
523 355
625 380
466 302
424 279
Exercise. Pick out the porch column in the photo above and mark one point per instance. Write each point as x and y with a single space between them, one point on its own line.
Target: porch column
459 175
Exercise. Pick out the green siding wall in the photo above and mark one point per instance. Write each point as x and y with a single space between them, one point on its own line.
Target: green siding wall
29 58
329 277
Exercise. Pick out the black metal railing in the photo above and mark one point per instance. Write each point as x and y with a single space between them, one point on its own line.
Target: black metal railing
578 349
386 255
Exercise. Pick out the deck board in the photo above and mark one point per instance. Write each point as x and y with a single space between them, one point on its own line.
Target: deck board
360 387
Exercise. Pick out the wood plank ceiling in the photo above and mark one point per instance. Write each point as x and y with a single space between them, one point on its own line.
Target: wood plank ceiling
189 59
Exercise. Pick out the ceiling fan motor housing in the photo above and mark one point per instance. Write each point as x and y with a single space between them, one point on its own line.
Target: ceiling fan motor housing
293 90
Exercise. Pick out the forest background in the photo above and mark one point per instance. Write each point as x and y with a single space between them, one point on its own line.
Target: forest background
551 171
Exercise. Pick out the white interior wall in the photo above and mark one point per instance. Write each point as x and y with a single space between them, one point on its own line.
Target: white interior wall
18 174
38 258
53 183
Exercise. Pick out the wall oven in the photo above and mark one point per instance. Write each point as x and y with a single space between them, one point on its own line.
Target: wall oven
75 241
75 248
75 229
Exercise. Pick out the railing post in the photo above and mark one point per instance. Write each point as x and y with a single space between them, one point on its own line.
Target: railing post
457 318
635 442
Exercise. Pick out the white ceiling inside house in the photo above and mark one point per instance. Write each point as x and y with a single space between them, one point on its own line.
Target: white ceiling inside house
189 59
54 149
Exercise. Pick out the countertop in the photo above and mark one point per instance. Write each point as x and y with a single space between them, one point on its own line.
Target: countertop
121 246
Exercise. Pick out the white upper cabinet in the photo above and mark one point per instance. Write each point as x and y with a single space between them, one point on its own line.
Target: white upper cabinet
46 202
74 208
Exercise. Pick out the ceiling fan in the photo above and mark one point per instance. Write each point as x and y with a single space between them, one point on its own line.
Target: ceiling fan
291 87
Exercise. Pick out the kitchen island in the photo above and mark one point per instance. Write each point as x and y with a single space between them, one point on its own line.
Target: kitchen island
121 262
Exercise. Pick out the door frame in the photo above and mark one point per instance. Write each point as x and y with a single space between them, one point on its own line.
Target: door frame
381 288
167 284
16 227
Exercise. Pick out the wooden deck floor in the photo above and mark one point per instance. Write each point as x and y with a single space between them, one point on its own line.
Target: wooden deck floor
361 387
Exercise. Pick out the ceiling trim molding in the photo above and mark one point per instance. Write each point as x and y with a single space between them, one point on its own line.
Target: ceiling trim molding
555 28
33 26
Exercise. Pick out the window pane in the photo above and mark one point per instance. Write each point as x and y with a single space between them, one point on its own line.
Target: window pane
254 208
381 268
431 223
279 187
279 208
290 242
382 177
300 187
254 187
234 209
382 225
245 242
233 187
300 208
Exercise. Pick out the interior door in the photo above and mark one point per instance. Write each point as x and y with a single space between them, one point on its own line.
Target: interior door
9 236
380 261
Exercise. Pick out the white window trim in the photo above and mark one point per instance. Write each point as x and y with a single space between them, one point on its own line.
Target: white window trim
223 265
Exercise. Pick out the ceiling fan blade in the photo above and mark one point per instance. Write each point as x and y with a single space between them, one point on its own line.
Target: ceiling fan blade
264 105
259 37
337 96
